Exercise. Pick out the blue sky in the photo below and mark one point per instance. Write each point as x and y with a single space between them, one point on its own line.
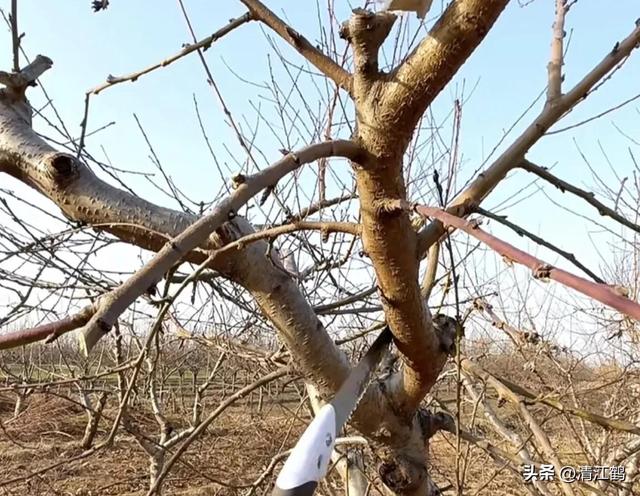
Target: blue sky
507 72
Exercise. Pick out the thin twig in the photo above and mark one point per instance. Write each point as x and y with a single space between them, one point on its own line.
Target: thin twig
202 44
585 195
212 416
15 37
502 219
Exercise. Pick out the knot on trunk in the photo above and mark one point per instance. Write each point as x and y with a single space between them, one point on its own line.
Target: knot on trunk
17 82
404 475
430 422
62 168
445 328
366 32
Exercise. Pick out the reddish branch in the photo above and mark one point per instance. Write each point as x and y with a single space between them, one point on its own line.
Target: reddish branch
601 292
502 219
48 332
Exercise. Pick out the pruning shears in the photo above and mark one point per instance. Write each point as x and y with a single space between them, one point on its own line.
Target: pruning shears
309 460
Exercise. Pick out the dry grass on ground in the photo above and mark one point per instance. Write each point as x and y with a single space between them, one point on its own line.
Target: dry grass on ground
231 455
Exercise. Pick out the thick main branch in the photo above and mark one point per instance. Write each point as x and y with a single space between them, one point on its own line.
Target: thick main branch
419 79
388 108
83 197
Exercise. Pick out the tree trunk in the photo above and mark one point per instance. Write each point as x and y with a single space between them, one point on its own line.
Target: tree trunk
156 464
21 401
93 419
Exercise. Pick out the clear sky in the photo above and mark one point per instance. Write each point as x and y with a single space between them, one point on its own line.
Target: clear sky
507 73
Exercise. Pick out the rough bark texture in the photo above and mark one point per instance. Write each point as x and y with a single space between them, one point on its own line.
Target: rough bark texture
388 108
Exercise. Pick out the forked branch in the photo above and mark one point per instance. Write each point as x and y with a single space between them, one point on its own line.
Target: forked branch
175 250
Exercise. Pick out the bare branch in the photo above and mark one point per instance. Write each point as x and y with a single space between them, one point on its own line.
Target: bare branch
18 81
603 293
554 89
203 44
48 332
210 418
499 455
118 300
388 108
52 331
512 157
585 195
510 391
429 279
412 86
15 36
366 32
502 219
84 197
322 62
